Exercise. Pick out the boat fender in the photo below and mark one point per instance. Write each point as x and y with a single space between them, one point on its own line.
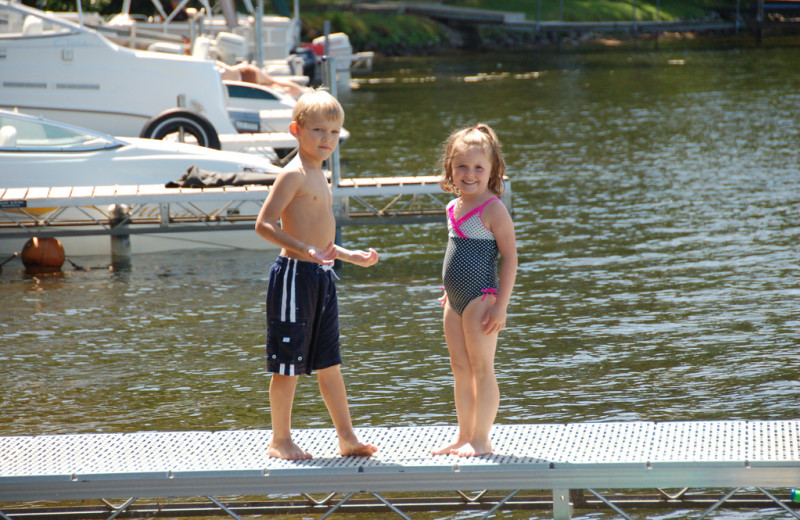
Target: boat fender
173 120
43 255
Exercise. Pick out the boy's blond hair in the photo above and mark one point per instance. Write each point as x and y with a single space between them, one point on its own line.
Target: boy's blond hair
317 101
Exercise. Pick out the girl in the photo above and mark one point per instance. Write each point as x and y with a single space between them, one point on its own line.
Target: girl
479 227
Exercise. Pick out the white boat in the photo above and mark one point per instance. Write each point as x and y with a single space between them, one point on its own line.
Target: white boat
276 37
53 67
35 152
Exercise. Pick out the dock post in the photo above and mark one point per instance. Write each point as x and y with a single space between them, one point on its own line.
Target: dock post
760 22
562 507
118 219
340 204
506 197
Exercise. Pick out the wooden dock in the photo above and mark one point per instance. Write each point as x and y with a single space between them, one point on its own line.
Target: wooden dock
570 461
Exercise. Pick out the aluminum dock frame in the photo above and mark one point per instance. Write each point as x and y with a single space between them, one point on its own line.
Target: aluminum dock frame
561 458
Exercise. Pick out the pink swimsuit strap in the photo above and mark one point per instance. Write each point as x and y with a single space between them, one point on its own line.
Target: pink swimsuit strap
457 223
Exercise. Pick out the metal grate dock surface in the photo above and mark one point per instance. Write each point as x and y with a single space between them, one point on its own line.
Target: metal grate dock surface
543 456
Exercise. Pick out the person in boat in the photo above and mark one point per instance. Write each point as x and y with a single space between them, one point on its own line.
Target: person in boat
182 15
302 309
249 73
475 301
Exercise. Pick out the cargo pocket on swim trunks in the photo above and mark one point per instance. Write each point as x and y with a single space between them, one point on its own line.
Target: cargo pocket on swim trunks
285 347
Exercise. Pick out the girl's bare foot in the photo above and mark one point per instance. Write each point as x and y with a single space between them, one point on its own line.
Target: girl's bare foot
473 449
356 449
287 450
451 448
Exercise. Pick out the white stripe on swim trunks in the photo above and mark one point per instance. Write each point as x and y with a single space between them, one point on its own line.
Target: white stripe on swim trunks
286 280
293 309
283 295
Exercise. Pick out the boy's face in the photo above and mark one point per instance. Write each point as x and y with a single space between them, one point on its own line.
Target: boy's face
318 136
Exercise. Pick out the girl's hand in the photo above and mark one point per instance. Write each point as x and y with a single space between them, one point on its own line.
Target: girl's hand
494 320
323 256
443 297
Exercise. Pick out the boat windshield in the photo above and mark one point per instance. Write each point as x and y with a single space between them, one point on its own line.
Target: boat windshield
32 135
16 23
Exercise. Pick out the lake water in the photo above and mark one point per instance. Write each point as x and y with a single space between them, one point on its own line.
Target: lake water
657 213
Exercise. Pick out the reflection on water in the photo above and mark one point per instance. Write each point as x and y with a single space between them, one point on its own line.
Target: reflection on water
656 208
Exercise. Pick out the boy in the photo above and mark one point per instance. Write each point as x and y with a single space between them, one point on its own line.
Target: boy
302 311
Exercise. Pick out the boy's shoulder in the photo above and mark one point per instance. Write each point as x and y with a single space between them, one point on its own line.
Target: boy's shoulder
292 172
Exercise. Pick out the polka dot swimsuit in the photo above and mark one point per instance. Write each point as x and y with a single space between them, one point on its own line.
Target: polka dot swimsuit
470 262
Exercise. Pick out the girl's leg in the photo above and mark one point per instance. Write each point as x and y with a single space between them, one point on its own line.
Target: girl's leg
464 384
481 351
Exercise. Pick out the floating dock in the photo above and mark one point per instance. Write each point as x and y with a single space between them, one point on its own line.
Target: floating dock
42 210
124 211
569 461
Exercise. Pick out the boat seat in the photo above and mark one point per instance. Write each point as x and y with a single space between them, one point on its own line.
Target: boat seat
171 48
230 48
8 137
202 47
33 26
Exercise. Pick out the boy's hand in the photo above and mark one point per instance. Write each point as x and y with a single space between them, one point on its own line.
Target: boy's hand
364 258
323 256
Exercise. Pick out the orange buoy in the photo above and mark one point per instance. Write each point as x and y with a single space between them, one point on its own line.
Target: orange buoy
43 255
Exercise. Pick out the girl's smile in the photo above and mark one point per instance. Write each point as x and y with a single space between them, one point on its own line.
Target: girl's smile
471 170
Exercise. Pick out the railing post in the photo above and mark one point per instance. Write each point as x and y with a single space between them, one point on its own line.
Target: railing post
562 507
340 203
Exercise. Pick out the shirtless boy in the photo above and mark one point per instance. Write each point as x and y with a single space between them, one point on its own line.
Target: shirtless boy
302 311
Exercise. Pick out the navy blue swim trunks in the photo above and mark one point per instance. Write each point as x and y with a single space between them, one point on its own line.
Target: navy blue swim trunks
302 318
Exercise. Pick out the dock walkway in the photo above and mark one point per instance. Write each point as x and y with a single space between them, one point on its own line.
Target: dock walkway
558 457
85 210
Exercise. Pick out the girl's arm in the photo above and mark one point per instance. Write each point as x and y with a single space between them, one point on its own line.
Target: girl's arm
500 223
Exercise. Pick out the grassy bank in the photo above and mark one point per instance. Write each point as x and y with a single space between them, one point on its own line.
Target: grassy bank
408 34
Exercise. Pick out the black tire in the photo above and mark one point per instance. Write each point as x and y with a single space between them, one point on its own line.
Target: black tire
173 120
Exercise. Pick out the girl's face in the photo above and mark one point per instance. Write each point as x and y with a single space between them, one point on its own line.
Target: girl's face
472 168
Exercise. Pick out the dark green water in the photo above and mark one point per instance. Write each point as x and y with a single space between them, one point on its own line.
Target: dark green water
657 212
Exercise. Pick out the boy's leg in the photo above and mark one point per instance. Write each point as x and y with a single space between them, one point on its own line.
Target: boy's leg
281 397
481 350
463 382
331 386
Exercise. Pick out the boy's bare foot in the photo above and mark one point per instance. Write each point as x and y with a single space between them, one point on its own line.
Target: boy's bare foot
356 449
287 450
473 449
450 448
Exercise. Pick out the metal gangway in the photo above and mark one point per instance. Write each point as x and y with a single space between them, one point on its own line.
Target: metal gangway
592 465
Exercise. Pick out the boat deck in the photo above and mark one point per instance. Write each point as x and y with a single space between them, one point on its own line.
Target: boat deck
557 457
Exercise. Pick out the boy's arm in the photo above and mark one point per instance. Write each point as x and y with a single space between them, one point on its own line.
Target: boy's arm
284 190
362 258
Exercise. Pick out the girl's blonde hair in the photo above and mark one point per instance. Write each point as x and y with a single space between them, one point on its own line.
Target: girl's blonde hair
481 136
317 101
